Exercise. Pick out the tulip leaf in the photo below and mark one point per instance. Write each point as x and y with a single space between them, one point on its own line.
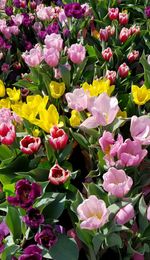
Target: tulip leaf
80 139
64 249
65 75
143 222
14 223
97 241
146 67
114 240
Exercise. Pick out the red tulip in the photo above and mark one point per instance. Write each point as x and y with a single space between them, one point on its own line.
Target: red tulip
103 34
30 144
58 175
58 138
123 70
123 18
113 13
124 34
111 75
107 54
7 133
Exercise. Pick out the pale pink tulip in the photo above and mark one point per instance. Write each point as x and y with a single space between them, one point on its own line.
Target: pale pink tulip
130 153
34 57
125 214
54 41
140 129
77 53
116 182
93 213
104 110
51 56
148 213
77 99
106 141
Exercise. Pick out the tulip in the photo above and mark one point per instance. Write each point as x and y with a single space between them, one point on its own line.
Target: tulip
138 256
110 30
124 34
93 213
2 89
135 29
130 153
125 214
103 110
46 237
132 56
33 218
113 13
57 89
26 193
7 133
147 11
51 56
58 138
141 95
58 175
30 144
123 18
31 252
111 75
34 57
148 213
140 129
75 118
4 231
76 53
107 54
103 34
77 99
106 141
116 182
123 70
54 41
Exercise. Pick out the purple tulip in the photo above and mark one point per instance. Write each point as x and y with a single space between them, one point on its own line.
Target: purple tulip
31 252
46 237
4 231
74 10
52 28
33 218
147 11
26 193
9 10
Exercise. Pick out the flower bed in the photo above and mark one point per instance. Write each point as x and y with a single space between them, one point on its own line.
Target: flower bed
74 130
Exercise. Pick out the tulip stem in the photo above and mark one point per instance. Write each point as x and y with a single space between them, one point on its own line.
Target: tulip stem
92 255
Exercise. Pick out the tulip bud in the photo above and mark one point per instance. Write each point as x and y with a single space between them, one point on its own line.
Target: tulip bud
110 29
23 3
135 29
103 34
58 138
113 13
30 144
7 133
125 214
107 54
33 5
123 70
111 75
132 56
123 18
124 34
58 175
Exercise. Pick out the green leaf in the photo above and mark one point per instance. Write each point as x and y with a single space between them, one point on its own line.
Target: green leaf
9 252
84 235
146 67
76 202
97 241
9 189
64 249
5 152
143 222
14 223
114 208
80 139
66 152
65 75
94 189
114 240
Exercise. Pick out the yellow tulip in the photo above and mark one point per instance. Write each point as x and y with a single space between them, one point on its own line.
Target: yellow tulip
2 89
36 132
98 87
140 95
122 114
75 118
57 89
5 102
13 94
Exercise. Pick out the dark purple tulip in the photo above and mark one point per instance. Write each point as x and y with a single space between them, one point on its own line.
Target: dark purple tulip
42 34
6 46
58 2
66 33
4 231
74 10
26 20
26 193
46 237
28 45
2 42
53 28
16 3
33 218
9 10
31 252
147 11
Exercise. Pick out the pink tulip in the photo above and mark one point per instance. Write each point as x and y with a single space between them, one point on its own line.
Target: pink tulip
106 141
148 213
113 13
123 70
116 182
123 18
135 29
58 138
137 256
132 56
103 34
77 53
93 213
77 99
34 57
30 144
125 214
140 129
18 19
104 110
58 175
110 30
54 41
111 75
51 56
130 153
124 34
7 133
107 54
